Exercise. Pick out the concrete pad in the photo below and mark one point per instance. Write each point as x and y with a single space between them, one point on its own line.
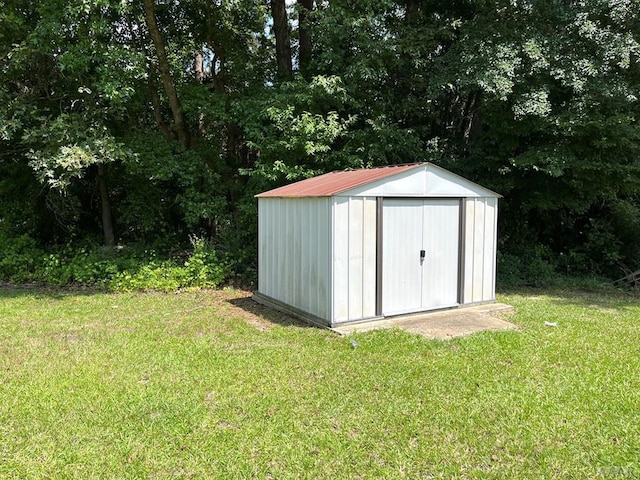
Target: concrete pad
442 324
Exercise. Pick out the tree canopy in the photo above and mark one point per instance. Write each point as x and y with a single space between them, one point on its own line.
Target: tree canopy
129 121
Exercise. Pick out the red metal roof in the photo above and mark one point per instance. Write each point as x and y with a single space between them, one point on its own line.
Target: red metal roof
336 182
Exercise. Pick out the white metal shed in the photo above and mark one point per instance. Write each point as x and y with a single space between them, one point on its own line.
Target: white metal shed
358 245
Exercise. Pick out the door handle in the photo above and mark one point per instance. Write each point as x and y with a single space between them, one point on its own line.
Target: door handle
422 255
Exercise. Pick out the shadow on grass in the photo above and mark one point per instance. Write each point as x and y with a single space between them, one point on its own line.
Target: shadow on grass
246 308
268 314
9 290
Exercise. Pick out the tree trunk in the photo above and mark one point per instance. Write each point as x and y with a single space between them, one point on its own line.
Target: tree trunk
283 40
413 7
105 204
218 67
305 7
157 107
165 74
471 114
198 66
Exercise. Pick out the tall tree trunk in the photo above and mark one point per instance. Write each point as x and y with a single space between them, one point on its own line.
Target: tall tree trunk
157 107
198 66
470 117
218 63
165 74
283 40
105 204
411 13
405 69
305 7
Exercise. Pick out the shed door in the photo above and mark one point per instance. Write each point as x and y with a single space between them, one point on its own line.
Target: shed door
420 239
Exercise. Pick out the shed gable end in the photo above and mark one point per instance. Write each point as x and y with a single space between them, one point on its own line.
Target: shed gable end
425 181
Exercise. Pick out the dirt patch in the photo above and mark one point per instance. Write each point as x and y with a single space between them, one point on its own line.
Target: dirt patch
237 303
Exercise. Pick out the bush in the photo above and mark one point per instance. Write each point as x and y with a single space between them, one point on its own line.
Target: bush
203 269
538 266
120 269
19 258
534 266
84 266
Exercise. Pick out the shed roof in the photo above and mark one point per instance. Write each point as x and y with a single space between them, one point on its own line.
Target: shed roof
334 183
409 180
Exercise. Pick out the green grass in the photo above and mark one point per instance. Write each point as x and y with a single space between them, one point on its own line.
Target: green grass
208 385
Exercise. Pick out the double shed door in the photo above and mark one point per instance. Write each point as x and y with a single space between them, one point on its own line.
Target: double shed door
420 254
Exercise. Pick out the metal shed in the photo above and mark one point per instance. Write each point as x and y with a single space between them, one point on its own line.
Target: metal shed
358 245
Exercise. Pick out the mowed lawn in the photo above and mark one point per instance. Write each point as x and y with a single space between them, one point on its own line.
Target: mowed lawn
208 385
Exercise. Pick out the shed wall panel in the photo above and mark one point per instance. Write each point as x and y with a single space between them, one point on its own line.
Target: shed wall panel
341 260
489 268
294 251
369 254
480 250
265 270
354 258
324 237
305 266
469 222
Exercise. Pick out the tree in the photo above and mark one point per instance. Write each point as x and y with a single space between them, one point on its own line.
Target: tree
165 74
159 119
305 48
558 131
283 38
61 111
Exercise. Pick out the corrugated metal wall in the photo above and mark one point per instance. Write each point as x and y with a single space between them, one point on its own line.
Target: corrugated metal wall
480 249
294 248
354 258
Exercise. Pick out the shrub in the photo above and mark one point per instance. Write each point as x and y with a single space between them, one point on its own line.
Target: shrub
19 257
204 268
84 266
120 269
532 266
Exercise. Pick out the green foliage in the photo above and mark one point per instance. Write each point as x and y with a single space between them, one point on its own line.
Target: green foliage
70 144
167 190
532 266
295 127
119 269
19 258
204 268
82 267
490 90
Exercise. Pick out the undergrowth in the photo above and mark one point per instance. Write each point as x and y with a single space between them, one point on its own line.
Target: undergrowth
116 269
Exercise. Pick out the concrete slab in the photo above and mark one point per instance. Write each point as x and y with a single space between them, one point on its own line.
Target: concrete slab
442 324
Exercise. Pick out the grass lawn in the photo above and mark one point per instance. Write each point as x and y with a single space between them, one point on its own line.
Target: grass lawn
209 385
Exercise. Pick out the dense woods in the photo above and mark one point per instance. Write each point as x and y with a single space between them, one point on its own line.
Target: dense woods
152 124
